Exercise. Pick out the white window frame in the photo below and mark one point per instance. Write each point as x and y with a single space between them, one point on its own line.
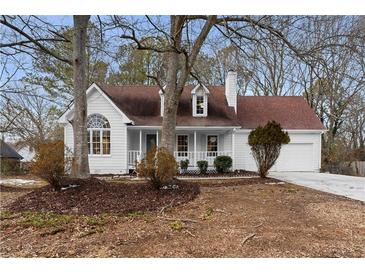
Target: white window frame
177 147
200 90
210 152
101 133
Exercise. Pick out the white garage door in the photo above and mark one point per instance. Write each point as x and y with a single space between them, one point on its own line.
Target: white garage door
295 157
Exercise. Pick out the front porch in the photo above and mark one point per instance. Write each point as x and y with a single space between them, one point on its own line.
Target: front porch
194 145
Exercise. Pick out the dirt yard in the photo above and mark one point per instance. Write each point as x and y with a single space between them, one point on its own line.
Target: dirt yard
238 218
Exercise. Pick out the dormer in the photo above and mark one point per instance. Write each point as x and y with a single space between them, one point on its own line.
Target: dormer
200 101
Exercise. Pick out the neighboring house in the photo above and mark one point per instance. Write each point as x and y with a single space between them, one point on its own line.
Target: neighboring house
9 158
27 152
125 121
8 152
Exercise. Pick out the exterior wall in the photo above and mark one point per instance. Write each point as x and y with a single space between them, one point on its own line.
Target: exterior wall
224 140
243 158
116 162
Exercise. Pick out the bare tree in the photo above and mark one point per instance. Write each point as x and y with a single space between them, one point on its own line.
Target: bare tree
33 34
180 58
81 161
28 117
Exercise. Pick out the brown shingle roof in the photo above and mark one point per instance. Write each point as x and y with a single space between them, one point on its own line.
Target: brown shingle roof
292 112
142 105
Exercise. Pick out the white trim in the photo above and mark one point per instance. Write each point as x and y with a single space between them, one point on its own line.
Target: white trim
145 139
200 85
205 101
194 148
320 153
176 138
290 130
233 149
157 138
187 127
101 130
206 142
63 120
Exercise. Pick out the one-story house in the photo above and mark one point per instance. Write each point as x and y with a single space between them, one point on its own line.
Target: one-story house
125 121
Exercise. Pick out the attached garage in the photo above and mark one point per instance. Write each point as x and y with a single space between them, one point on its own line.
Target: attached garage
296 157
303 153
295 116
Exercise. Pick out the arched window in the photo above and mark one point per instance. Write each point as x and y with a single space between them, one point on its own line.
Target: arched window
98 129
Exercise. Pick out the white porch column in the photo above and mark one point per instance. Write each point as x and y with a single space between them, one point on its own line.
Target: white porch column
194 148
157 138
140 144
232 147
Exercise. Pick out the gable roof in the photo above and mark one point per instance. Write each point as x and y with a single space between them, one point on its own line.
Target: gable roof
63 118
6 151
142 105
292 112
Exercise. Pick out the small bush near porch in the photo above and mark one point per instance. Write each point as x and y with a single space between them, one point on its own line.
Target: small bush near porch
159 167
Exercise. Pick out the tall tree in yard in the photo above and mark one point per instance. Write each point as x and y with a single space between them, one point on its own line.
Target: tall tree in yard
177 76
180 57
31 35
81 161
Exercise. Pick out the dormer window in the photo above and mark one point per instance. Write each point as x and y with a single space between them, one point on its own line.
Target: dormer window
200 101
199 105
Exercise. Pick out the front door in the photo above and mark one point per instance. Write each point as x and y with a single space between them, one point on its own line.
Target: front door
151 140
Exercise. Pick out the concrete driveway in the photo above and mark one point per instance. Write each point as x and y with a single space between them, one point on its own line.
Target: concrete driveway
349 186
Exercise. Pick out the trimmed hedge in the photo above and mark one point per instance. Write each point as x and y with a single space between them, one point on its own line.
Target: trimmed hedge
184 164
203 166
222 163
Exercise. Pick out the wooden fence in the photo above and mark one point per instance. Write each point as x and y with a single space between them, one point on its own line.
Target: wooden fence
358 168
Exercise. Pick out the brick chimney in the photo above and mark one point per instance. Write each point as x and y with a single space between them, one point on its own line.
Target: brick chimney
231 89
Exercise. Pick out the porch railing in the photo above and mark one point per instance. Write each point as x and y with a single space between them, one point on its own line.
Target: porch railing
194 157
133 157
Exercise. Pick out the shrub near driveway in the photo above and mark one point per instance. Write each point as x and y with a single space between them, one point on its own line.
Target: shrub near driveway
266 144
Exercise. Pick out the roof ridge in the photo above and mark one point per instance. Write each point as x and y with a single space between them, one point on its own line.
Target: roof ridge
141 85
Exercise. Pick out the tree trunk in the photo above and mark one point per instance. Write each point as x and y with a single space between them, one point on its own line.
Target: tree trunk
81 161
177 75
171 94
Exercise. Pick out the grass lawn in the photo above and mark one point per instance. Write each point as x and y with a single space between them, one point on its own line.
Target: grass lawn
235 218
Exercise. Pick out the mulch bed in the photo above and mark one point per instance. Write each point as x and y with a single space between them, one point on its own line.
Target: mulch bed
213 173
236 182
94 196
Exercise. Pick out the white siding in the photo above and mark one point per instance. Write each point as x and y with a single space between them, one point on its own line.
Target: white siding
116 162
227 141
301 154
